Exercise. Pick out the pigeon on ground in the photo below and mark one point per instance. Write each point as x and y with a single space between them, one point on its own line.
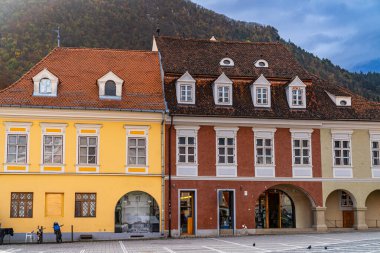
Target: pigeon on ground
309 247
254 244
325 247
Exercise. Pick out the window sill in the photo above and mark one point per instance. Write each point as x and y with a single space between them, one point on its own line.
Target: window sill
87 168
375 172
136 169
342 172
52 168
226 170
16 167
302 171
265 171
187 169
110 97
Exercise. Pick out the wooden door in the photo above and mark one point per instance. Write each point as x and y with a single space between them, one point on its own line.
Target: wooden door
348 219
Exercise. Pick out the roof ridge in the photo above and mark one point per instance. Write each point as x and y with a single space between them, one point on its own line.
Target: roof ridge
30 70
222 41
106 49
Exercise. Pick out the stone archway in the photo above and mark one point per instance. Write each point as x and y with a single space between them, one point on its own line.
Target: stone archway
294 209
340 209
372 214
137 212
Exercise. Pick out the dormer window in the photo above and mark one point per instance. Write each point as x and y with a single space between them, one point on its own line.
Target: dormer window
222 88
227 62
341 101
260 92
296 94
110 86
45 84
185 89
261 64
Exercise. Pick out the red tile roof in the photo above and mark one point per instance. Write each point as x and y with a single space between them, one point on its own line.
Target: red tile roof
78 70
201 58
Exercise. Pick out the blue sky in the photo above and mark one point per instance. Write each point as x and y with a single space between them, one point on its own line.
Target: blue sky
345 31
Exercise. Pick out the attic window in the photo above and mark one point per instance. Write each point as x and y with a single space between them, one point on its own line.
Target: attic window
222 89
343 102
227 62
296 94
110 88
45 86
185 89
340 100
261 63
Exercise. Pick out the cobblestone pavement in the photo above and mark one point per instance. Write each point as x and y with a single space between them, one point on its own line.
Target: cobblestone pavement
332 242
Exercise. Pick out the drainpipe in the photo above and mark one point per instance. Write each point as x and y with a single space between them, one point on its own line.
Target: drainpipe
170 177
163 174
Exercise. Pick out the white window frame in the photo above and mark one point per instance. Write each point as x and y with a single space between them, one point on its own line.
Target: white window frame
45 74
188 90
110 76
265 170
188 80
302 170
374 137
137 132
82 131
17 128
222 81
297 97
226 169
187 169
342 171
53 129
223 64
296 84
261 83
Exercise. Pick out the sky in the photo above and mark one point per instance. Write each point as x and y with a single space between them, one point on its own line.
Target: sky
347 32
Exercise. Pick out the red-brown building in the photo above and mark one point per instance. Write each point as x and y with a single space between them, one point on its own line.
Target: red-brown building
243 145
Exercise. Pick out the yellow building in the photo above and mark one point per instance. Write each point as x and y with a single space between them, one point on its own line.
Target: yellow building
81 144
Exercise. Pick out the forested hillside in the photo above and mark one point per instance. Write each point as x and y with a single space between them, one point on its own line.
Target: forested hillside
26 33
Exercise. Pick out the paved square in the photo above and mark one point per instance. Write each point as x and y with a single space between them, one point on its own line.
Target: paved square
335 242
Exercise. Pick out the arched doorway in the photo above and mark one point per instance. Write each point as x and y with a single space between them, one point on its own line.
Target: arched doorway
372 213
340 209
137 212
275 209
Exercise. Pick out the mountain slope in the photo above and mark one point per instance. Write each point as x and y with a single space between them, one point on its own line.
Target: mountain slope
26 33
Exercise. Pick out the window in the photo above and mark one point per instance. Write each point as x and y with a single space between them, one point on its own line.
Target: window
45 86
261 96
21 205
186 149
186 93
110 88
88 149
264 154
85 204
375 153
54 204
136 151
224 95
345 200
301 149
17 148
53 149
226 150
297 97
261 64
226 62
342 152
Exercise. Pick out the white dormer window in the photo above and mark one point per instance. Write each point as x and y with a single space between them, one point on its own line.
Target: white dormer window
227 62
185 89
342 101
110 86
45 84
260 92
296 94
261 64
222 89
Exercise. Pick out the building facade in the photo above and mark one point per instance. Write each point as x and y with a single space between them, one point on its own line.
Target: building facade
81 144
256 144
